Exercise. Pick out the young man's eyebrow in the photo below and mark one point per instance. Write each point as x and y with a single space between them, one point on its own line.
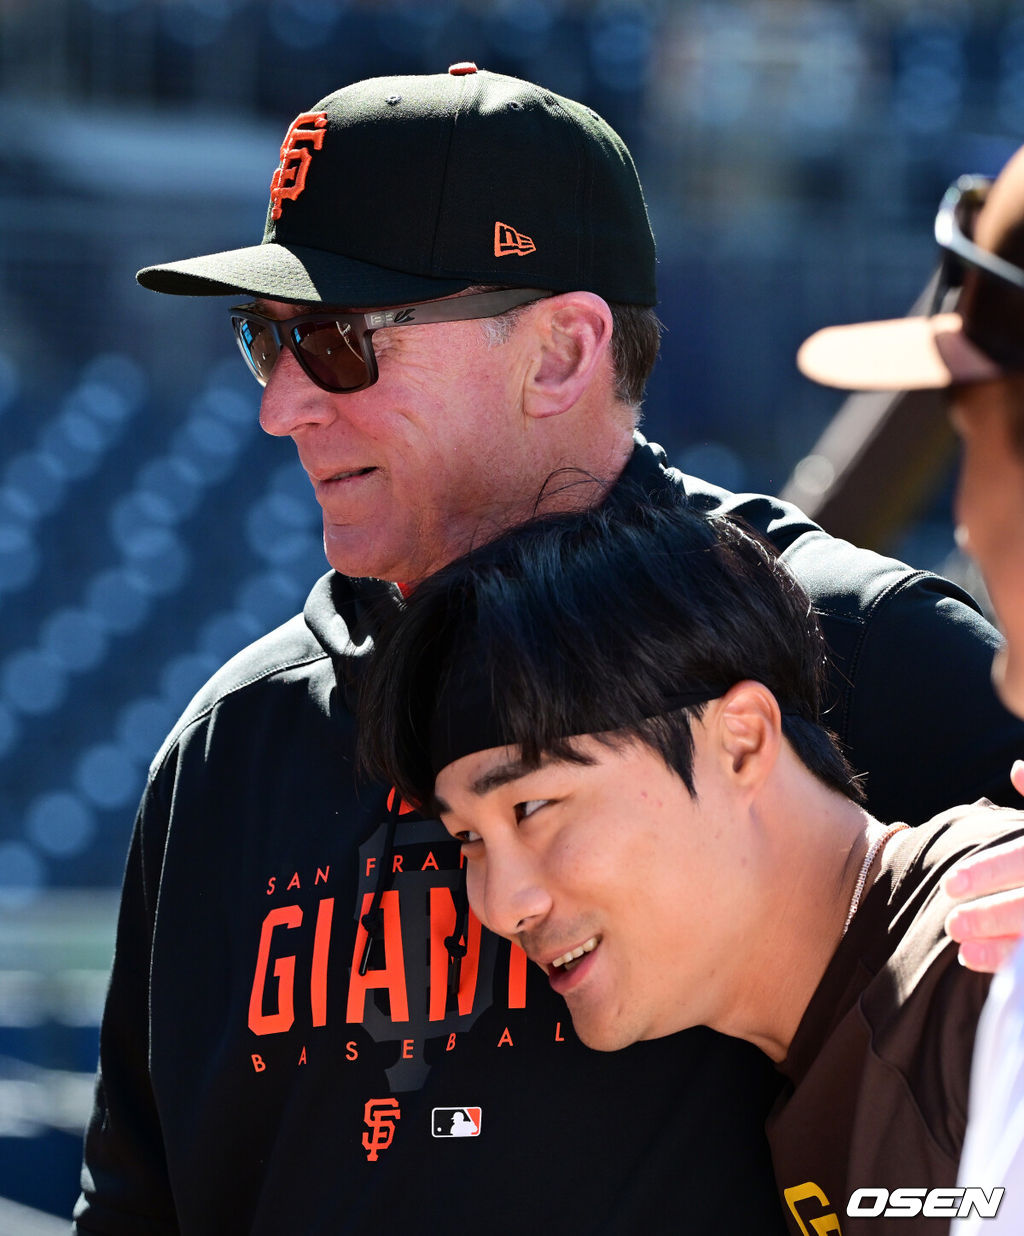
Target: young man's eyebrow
502 774
494 778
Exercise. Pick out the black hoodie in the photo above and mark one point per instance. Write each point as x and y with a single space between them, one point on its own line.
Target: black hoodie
253 1080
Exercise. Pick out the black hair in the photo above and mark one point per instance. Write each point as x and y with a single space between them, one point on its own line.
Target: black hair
590 623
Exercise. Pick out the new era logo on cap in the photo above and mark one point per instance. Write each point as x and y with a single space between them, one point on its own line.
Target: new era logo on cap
507 240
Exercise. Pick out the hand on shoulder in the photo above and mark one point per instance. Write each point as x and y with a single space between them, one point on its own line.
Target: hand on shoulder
989 921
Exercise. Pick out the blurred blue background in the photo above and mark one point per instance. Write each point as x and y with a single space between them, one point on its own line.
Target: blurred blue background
793 153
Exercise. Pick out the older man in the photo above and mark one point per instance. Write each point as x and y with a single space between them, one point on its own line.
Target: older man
451 314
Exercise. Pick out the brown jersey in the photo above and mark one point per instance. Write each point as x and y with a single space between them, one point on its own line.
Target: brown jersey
878 1069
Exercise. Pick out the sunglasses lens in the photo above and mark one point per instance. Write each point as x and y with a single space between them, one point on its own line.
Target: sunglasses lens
258 346
331 354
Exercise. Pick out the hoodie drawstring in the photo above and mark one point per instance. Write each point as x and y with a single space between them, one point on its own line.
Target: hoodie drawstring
373 919
456 943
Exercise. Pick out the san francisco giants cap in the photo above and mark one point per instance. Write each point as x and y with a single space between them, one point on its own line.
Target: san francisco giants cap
399 189
980 231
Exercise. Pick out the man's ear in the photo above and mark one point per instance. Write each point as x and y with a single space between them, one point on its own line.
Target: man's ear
748 729
573 332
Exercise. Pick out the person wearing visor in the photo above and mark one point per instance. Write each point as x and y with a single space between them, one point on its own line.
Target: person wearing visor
974 348
451 312
665 827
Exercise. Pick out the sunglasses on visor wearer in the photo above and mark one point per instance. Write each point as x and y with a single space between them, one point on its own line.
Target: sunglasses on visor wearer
954 227
335 350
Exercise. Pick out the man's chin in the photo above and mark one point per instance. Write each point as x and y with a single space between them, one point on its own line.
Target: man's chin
351 552
602 1036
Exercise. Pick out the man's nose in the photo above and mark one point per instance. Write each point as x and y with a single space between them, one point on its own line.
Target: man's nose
514 896
291 400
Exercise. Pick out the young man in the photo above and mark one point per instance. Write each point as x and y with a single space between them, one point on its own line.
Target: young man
976 350
617 715
281 1050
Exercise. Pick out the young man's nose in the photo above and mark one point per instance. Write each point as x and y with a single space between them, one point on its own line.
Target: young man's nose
514 895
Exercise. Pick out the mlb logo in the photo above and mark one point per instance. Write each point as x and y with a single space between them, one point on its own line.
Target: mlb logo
456 1121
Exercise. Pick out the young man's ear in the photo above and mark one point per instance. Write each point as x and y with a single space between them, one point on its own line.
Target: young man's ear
573 332
748 727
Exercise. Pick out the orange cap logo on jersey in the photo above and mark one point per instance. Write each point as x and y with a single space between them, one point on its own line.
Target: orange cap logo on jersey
290 178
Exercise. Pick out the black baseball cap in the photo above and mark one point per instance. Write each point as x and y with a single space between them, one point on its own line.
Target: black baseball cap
980 232
398 189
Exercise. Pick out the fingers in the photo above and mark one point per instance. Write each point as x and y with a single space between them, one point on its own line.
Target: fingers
988 917
994 871
986 956
987 929
989 922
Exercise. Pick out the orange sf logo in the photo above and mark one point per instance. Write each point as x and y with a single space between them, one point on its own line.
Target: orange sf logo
290 178
379 1115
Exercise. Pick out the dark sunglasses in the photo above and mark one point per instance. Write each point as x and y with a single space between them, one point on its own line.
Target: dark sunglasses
335 350
954 228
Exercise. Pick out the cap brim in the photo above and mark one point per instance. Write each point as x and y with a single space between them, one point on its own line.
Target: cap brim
294 273
919 353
